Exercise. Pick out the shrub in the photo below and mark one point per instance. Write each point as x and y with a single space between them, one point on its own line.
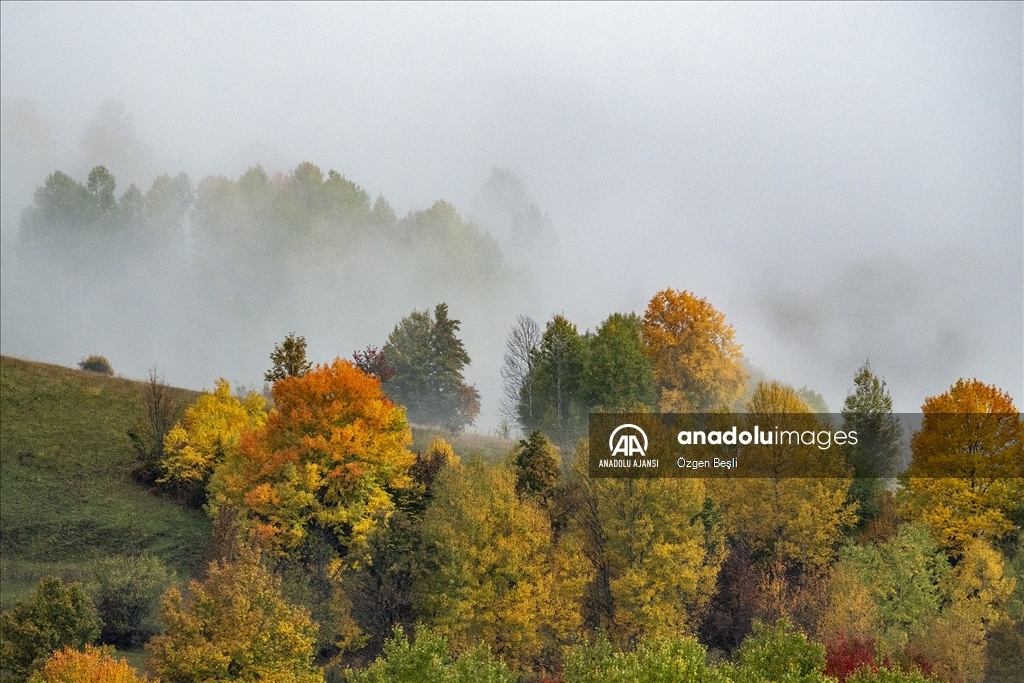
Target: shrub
894 675
677 659
845 655
97 364
55 616
780 653
126 591
95 665
426 660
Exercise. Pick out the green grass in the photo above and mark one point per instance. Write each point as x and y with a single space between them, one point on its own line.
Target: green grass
66 491
492 449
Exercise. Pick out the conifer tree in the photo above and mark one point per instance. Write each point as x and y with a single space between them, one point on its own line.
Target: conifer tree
428 358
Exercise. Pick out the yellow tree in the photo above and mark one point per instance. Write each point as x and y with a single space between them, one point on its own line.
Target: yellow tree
655 547
697 363
956 641
235 626
209 431
495 574
966 476
786 517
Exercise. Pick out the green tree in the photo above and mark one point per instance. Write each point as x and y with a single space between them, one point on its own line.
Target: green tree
537 466
427 661
101 185
617 375
428 359
97 364
654 661
382 586
781 654
235 626
55 616
61 207
906 577
555 404
126 591
288 359
868 411
167 202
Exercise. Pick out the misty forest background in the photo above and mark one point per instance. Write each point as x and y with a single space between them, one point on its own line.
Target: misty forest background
238 262
327 426
347 544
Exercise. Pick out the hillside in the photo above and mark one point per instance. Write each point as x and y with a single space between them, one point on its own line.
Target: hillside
66 491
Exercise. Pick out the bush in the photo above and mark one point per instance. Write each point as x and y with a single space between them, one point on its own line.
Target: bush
95 665
780 653
97 364
426 661
126 591
55 616
894 675
681 659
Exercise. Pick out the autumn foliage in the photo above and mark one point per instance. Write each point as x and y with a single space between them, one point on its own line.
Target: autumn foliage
235 625
94 665
697 362
330 451
211 429
966 478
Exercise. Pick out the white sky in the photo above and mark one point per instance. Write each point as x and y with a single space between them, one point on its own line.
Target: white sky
843 180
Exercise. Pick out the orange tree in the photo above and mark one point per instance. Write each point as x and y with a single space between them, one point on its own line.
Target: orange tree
327 460
966 476
698 366
94 665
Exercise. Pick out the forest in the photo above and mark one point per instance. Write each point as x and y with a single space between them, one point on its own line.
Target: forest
352 528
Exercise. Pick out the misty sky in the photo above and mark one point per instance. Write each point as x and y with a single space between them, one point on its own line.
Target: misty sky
842 181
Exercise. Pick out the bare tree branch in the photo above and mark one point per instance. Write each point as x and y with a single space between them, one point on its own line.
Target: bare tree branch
517 370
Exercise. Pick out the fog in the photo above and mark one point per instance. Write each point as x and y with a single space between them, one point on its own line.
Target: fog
844 182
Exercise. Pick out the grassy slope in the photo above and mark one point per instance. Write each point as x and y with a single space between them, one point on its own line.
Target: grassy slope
66 492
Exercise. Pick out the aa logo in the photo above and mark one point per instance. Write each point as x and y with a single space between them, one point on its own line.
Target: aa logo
628 443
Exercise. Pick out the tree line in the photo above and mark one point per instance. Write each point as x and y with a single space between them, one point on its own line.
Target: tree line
341 552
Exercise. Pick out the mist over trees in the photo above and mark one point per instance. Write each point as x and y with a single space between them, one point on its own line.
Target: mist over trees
679 356
428 361
137 271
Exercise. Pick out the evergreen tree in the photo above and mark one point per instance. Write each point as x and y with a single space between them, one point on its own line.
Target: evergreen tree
536 466
557 383
428 359
868 411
